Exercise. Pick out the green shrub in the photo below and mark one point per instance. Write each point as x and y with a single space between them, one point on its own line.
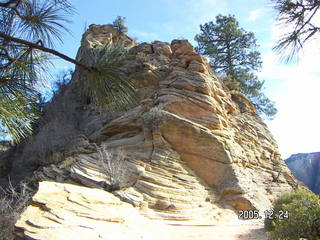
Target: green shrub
303 217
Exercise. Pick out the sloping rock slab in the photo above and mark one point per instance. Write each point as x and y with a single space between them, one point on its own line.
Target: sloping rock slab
66 211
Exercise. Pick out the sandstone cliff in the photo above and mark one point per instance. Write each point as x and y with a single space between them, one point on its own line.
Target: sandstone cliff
188 148
306 168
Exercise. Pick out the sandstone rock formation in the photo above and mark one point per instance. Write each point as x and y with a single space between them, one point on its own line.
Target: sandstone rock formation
306 168
188 147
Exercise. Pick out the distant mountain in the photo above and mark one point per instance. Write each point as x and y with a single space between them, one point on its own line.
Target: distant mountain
306 168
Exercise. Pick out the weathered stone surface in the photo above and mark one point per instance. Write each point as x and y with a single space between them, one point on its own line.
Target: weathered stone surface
189 147
306 168
97 35
162 48
65 211
191 125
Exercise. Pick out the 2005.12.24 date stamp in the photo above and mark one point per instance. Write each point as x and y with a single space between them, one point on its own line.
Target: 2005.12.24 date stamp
268 214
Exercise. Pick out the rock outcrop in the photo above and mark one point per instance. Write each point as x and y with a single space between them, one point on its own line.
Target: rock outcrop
306 168
188 147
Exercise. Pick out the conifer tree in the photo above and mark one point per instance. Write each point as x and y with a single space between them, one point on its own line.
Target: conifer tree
233 56
119 24
28 32
25 27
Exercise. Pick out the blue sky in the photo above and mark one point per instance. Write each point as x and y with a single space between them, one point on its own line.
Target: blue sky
166 20
293 87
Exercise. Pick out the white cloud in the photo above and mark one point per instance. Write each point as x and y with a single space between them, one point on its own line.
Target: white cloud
254 15
144 36
296 93
296 127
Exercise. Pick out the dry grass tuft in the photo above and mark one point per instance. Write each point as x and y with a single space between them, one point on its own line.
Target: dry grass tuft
13 202
114 166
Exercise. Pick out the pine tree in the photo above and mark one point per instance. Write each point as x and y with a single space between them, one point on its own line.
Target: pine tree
301 17
233 57
119 24
22 64
28 32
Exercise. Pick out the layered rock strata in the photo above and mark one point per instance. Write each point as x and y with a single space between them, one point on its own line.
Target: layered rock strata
65 211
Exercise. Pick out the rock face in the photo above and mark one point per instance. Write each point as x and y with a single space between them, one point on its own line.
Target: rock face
306 168
188 147
65 211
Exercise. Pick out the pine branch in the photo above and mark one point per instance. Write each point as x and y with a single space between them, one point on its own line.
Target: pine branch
10 3
47 50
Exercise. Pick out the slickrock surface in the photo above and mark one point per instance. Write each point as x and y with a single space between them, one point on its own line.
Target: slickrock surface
65 211
189 146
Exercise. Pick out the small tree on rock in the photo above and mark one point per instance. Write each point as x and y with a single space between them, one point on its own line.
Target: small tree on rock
119 24
233 56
